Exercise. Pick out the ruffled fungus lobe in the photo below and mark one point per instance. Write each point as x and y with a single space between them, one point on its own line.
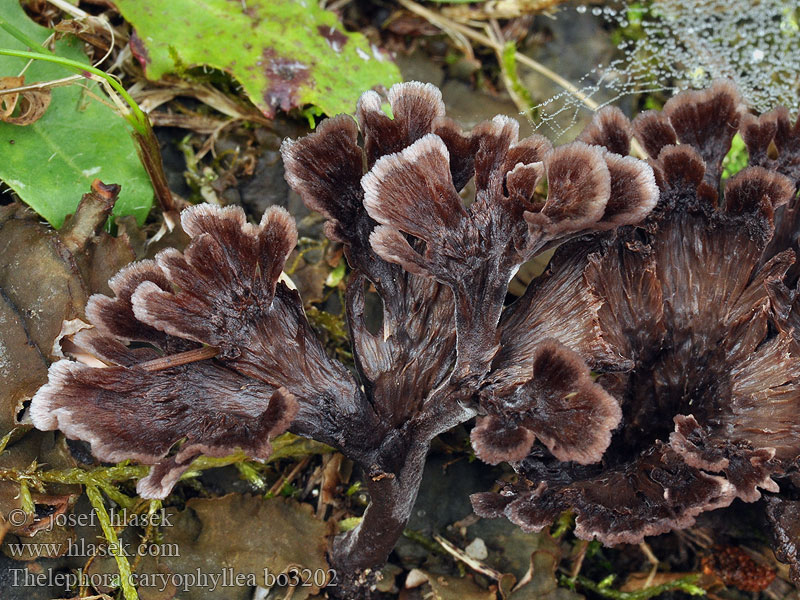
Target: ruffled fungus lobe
691 325
206 351
139 402
559 390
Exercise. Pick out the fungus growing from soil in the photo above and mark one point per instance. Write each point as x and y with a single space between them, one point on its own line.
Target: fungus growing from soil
698 305
207 350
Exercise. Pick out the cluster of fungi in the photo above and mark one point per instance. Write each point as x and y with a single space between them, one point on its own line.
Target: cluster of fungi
650 374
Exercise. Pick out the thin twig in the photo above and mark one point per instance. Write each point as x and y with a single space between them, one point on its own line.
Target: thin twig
444 22
653 560
577 563
70 9
449 25
42 85
176 360
472 563
288 478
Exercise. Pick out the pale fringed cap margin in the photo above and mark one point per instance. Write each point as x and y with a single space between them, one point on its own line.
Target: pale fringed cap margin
441 268
408 204
442 265
414 348
425 227
695 302
125 405
559 404
412 192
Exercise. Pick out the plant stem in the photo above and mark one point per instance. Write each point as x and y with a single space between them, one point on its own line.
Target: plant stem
137 118
519 93
19 35
146 142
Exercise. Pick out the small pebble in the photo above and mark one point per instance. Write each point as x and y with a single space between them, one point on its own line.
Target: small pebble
477 549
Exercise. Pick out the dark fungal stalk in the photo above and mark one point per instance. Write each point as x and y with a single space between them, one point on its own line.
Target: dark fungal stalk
623 283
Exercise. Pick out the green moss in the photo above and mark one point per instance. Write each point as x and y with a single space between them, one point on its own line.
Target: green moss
603 588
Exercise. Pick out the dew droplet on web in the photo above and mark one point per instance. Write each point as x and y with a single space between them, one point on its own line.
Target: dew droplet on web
688 44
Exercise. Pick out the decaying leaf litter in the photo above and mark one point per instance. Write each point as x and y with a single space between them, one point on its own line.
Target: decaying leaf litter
220 144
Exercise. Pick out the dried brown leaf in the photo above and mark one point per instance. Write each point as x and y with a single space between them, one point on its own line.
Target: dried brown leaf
251 536
45 279
8 102
32 104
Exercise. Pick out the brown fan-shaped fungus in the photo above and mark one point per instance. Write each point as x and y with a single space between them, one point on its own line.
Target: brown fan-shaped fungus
691 325
690 317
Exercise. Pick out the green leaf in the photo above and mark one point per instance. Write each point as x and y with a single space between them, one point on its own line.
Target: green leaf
335 277
284 53
51 163
736 159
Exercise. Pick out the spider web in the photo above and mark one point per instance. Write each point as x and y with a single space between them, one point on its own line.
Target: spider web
683 44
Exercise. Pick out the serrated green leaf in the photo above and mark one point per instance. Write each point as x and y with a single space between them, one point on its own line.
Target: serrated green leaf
51 163
284 53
